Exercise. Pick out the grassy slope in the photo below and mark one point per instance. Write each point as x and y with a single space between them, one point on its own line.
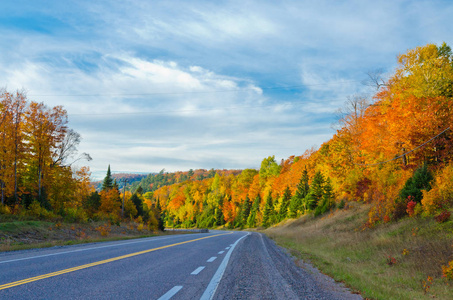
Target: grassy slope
16 234
339 247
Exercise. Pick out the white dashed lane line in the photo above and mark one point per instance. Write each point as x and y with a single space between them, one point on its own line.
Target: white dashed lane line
212 259
198 270
221 252
171 293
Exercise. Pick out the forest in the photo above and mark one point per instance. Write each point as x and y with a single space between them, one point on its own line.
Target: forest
392 150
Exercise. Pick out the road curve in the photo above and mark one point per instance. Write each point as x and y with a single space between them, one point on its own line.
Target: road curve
215 265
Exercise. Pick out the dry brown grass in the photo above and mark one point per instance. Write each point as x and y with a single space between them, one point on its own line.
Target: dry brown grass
390 261
18 235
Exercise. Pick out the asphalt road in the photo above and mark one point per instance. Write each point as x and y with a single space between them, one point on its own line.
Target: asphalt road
215 265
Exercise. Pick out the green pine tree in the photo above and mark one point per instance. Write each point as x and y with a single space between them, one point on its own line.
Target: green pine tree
298 204
316 191
108 181
138 204
283 213
268 212
245 211
327 199
160 217
421 180
251 220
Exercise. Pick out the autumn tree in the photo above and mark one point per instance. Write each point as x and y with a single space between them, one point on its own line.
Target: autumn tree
269 168
45 129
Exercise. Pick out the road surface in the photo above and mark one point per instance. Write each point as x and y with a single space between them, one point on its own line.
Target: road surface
214 265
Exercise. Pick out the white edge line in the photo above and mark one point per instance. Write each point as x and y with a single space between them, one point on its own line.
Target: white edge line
150 239
171 293
214 283
197 271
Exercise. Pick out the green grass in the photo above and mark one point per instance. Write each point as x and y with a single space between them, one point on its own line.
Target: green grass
339 247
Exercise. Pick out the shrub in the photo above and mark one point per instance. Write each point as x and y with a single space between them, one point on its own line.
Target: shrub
4 210
418 182
443 217
399 209
410 206
447 271
104 230
441 194
36 210
72 215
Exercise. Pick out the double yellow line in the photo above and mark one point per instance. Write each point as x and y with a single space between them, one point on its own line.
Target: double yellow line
65 271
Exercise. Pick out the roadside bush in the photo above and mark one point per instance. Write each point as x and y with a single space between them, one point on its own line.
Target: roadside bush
4 210
73 215
447 271
399 209
411 206
36 210
443 217
441 194
421 180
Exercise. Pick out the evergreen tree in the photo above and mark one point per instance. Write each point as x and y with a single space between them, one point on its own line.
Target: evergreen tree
303 187
283 213
108 181
316 191
92 203
159 216
418 182
251 220
298 204
138 204
219 218
245 211
139 190
327 199
268 212
115 185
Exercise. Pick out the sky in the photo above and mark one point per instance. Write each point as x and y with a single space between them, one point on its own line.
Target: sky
179 85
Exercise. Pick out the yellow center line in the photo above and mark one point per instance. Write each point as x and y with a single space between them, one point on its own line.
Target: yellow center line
65 271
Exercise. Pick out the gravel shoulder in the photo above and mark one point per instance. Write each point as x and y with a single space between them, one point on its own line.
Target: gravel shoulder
259 269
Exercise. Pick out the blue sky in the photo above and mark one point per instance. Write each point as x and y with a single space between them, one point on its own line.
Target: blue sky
205 84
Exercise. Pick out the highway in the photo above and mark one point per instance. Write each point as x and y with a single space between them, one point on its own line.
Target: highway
214 265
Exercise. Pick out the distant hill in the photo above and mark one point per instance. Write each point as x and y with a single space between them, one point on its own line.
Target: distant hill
120 177
152 182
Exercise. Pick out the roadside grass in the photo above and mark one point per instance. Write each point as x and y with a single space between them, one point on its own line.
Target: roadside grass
390 261
28 234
